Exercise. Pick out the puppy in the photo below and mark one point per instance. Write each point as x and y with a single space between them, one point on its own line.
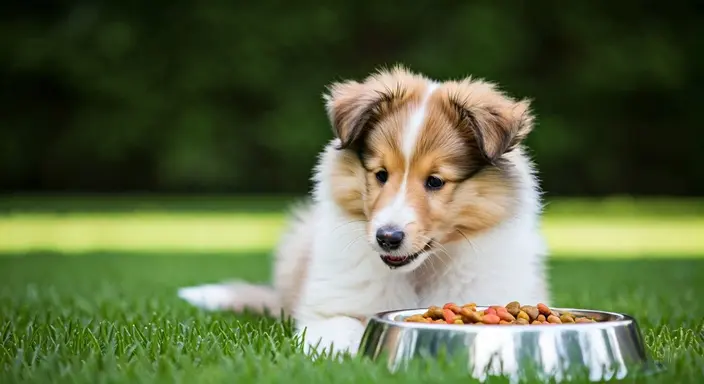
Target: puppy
424 196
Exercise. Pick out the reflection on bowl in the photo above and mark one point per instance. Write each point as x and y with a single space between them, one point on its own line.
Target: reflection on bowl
608 349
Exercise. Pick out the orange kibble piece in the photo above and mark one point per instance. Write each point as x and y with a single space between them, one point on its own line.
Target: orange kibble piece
505 316
544 309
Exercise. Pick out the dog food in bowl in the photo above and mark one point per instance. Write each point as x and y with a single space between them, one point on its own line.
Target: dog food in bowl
512 314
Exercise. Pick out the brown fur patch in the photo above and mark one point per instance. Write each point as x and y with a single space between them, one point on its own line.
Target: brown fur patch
349 185
497 122
480 203
354 107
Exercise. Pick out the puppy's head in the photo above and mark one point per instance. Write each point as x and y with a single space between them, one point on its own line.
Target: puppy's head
423 163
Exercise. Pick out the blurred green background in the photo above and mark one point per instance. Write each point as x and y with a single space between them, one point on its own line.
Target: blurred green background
225 97
180 125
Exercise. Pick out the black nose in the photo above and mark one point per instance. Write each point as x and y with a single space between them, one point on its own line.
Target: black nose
389 238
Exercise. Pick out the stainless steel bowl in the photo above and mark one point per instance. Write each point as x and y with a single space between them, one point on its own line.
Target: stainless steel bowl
592 351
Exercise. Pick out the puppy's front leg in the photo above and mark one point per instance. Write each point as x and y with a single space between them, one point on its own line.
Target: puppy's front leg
339 334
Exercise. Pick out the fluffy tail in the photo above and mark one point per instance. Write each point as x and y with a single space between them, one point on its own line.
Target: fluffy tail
234 296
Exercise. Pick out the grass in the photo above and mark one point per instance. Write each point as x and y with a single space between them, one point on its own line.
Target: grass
109 318
112 316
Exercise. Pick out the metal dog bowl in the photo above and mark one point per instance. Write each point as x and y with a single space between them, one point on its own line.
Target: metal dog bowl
593 351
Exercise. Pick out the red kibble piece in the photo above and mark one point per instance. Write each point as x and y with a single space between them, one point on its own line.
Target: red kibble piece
448 315
490 319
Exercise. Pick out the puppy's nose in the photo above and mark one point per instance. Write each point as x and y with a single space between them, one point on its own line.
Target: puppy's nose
389 238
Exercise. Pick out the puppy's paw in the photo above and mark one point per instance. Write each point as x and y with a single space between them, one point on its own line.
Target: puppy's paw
210 297
233 296
334 336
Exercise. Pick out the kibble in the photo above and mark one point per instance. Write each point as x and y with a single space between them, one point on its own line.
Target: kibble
505 316
543 309
521 321
523 315
514 308
470 316
531 311
448 315
512 314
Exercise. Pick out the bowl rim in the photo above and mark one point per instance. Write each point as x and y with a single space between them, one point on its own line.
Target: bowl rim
622 319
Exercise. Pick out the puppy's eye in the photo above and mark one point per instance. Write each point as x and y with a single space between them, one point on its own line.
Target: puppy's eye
382 176
434 183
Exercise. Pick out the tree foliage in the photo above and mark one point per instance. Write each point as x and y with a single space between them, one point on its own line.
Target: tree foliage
226 96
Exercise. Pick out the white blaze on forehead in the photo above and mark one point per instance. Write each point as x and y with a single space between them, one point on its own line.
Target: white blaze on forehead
398 212
415 124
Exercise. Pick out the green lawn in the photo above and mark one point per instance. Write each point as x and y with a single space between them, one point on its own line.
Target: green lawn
113 316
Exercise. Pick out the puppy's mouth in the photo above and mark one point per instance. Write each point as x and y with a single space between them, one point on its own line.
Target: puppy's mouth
400 261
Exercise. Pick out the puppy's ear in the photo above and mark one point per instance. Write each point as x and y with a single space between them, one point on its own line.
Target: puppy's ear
351 108
498 126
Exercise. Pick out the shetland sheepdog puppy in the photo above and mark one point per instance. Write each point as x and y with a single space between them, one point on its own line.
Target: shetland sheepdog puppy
424 196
